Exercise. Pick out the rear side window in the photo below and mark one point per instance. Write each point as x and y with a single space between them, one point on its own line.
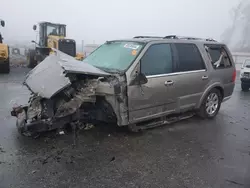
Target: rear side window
189 58
157 60
218 56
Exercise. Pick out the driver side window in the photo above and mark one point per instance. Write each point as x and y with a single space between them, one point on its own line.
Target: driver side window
157 60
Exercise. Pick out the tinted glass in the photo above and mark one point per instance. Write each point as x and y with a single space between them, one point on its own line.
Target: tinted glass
157 60
189 58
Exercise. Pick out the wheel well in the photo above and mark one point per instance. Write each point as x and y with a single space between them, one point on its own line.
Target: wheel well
100 111
221 91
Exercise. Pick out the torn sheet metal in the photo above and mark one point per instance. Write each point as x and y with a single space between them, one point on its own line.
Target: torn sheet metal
71 65
49 76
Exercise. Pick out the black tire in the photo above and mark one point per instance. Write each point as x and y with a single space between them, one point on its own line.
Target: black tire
244 87
203 109
31 58
5 67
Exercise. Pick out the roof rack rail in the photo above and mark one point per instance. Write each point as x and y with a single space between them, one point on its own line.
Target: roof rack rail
137 37
210 39
187 38
170 37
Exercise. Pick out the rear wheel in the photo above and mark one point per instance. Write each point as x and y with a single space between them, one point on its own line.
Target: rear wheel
31 58
211 104
244 87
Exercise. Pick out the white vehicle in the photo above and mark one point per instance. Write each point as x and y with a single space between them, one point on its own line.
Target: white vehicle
245 75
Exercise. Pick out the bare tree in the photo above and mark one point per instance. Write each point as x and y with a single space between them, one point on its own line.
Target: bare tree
237 36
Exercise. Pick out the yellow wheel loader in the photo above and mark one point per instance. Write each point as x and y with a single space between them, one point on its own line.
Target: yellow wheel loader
4 54
51 35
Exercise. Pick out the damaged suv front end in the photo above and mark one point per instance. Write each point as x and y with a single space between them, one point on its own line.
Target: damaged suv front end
66 91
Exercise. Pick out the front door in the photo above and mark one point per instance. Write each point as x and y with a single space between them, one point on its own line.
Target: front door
155 98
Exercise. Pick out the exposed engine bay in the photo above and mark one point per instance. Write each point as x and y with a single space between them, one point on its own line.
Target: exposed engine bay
65 91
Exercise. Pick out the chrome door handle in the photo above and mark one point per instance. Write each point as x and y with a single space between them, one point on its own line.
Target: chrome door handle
204 77
169 83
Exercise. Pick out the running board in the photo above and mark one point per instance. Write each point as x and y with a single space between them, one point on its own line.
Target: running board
160 122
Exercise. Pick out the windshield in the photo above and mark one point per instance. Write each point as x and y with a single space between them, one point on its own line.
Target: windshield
114 56
247 63
55 30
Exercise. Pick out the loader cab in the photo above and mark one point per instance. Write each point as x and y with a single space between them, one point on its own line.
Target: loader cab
49 30
53 35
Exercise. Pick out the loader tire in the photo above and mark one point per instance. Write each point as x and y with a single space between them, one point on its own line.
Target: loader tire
31 59
5 67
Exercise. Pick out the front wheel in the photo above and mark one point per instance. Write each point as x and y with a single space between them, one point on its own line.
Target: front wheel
244 87
5 67
31 58
211 104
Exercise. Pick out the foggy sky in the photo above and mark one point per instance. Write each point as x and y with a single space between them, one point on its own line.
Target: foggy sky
101 20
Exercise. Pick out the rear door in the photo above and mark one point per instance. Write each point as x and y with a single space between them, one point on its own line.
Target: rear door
154 98
191 76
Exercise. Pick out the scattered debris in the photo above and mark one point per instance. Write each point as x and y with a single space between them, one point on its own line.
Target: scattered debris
231 134
220 159
88 126
45 161
1 150
234 182
113 158
61 133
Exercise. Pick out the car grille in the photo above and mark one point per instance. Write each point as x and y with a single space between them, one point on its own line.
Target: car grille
67 46
246 74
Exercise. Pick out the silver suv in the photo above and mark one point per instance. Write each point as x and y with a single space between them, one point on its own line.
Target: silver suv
140 83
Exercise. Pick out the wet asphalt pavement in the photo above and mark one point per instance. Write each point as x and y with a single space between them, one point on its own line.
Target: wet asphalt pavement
190 154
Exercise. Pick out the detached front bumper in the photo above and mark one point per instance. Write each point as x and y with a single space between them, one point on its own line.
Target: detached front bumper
27 128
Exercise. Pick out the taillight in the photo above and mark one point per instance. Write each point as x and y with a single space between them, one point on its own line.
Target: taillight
234 75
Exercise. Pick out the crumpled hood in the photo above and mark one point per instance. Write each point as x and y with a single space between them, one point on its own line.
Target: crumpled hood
49 77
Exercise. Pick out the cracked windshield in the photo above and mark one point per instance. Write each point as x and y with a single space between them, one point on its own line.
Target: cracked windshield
114 56
93 96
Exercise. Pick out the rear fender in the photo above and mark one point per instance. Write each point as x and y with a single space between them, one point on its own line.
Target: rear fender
208 89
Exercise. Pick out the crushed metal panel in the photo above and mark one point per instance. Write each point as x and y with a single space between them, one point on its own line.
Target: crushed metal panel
71 65
47 78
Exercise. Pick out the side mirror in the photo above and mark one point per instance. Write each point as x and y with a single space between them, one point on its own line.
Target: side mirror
35 42
139 79
34 27
2 23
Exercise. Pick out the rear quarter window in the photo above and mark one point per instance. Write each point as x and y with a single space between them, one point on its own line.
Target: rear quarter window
219 56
